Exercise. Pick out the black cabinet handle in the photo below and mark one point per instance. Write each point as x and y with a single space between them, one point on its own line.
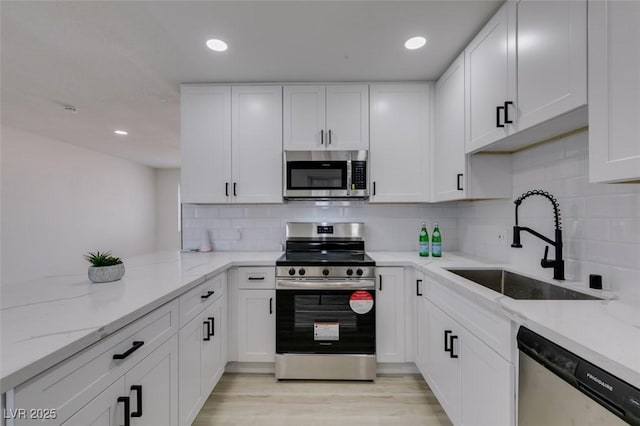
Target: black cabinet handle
138 389
460 181
136 345
235 194
498 124
322 137
226 189
446 340
256 278
380 287
127 410
451 339
418 282
207 333
329 137
271 306
213 325
208 295
506 112
374 187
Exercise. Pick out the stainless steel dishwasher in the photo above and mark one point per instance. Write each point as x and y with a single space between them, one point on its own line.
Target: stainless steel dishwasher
556 387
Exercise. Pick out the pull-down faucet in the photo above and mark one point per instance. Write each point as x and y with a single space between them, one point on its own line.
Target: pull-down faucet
557 264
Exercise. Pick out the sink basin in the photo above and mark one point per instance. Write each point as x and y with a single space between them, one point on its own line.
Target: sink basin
518 286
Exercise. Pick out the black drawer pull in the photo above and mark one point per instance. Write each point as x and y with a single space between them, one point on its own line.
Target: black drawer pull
380 287
446 340
322 137
418 292
374 187
460 182
208 295
498 124
235 194
506 112
256 278
127 410
226 189
271 306
138 389
213 325
207 333
451 339
136 345
329 136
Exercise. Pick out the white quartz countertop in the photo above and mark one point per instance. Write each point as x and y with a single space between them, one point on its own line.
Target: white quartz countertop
45 321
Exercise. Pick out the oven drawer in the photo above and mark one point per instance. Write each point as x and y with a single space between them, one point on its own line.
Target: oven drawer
257 278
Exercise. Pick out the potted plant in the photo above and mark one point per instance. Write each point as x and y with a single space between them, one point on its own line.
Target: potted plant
105 267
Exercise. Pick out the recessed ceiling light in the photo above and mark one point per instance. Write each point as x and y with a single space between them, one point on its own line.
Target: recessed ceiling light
121 132
415 43
217 45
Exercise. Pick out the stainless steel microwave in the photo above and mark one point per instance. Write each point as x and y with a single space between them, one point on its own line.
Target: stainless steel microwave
325 175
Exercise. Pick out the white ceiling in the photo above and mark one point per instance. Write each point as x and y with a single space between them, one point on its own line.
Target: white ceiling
121 62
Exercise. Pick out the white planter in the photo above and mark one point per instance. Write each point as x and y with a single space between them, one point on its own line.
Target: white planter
103 274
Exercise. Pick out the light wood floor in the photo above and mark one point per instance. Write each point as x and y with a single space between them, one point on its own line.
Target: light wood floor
258 399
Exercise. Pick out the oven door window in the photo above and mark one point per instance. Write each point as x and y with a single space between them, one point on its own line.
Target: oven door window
323 322
321 175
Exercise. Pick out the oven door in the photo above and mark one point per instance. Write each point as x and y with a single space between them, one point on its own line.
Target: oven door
329 320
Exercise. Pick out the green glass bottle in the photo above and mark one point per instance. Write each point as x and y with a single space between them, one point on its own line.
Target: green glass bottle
423 241
436 242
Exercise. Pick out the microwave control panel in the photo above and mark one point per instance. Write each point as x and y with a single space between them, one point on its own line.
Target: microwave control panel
358 175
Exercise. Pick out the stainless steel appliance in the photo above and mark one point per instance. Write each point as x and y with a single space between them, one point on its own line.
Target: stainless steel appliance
556 387
325 175
325 304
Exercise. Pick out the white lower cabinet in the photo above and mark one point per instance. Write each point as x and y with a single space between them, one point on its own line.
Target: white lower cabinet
256 325
390 315
421 326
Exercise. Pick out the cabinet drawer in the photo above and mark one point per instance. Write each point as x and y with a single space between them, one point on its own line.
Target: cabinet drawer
492 329
71 384
195 300
257 278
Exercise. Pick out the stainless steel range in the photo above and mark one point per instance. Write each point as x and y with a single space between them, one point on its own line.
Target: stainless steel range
325 299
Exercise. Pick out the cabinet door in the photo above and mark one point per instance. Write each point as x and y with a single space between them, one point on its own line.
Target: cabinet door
552 59
103 410
614 91
399 155
257 144
256 325
490 81
191 381
154 382
390 315
213 359
443 369
488 394
448 160
304 118
205 172
347 117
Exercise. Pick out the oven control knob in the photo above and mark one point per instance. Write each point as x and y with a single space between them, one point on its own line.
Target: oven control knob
359 272
325 272
301 271
349 271
292 271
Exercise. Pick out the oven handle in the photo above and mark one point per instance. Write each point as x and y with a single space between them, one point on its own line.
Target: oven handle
325 285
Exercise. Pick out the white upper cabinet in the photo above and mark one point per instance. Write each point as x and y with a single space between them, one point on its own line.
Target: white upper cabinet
399 154
205 143
326 117
552 59
257 144
526 76
490 82
614 91
456 176
222 163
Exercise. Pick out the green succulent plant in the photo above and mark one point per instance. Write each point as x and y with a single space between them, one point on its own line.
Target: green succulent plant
102 259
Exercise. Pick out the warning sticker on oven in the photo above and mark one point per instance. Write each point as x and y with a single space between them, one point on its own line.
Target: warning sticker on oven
326 331
361 302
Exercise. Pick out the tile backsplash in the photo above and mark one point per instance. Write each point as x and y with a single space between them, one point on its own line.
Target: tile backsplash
600 222
387 227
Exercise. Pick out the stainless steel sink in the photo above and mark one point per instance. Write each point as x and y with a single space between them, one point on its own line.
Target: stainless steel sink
518 286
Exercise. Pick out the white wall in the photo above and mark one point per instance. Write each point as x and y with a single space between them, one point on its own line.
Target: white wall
167 235
388 227
60 201
600 222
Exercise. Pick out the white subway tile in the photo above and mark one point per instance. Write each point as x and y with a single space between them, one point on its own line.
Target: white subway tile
625 230
231 212
614 206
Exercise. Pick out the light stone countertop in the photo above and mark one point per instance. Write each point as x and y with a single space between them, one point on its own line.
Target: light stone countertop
45 321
